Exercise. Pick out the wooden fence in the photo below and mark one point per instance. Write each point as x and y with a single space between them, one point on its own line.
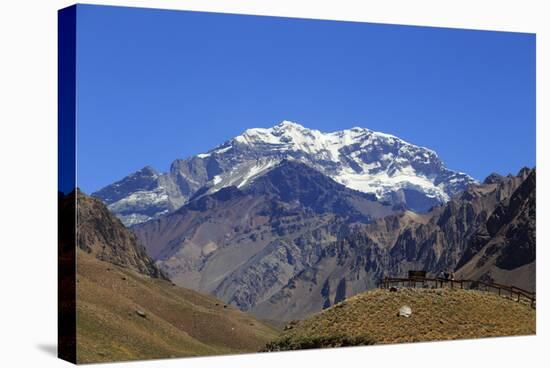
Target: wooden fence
503 290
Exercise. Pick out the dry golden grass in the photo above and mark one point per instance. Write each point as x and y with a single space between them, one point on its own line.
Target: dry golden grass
437 314
178 322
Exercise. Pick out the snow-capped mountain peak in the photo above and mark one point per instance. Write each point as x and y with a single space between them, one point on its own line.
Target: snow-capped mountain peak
289 135
362 159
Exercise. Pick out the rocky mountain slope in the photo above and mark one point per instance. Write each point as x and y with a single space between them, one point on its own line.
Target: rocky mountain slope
504 248
371 162
294 182
102 235
282 249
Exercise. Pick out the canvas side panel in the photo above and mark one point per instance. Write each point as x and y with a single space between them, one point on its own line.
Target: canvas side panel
66 319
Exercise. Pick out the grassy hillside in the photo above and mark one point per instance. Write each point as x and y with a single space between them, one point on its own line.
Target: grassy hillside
437 314
124 315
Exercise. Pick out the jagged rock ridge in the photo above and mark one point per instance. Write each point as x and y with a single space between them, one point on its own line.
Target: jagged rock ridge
504 248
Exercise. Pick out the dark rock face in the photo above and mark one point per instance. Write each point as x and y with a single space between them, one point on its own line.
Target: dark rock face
417 201
295 182
505 246
103 235
493 178
374 163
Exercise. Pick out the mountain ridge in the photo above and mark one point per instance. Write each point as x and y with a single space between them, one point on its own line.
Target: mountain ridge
361 159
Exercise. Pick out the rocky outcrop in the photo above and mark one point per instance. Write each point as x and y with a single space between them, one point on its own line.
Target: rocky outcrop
503 249
102 235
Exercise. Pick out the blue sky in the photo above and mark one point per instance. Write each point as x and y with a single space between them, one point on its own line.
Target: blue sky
156 85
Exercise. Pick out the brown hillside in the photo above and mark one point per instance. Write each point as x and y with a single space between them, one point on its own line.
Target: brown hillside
437 314
125 315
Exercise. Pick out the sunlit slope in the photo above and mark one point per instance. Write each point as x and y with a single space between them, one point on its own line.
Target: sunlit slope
437 314
124 315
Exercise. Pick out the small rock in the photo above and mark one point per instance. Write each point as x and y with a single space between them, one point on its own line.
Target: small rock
393 289
123 278
441 321
405 311
141 313
225 306
291 325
